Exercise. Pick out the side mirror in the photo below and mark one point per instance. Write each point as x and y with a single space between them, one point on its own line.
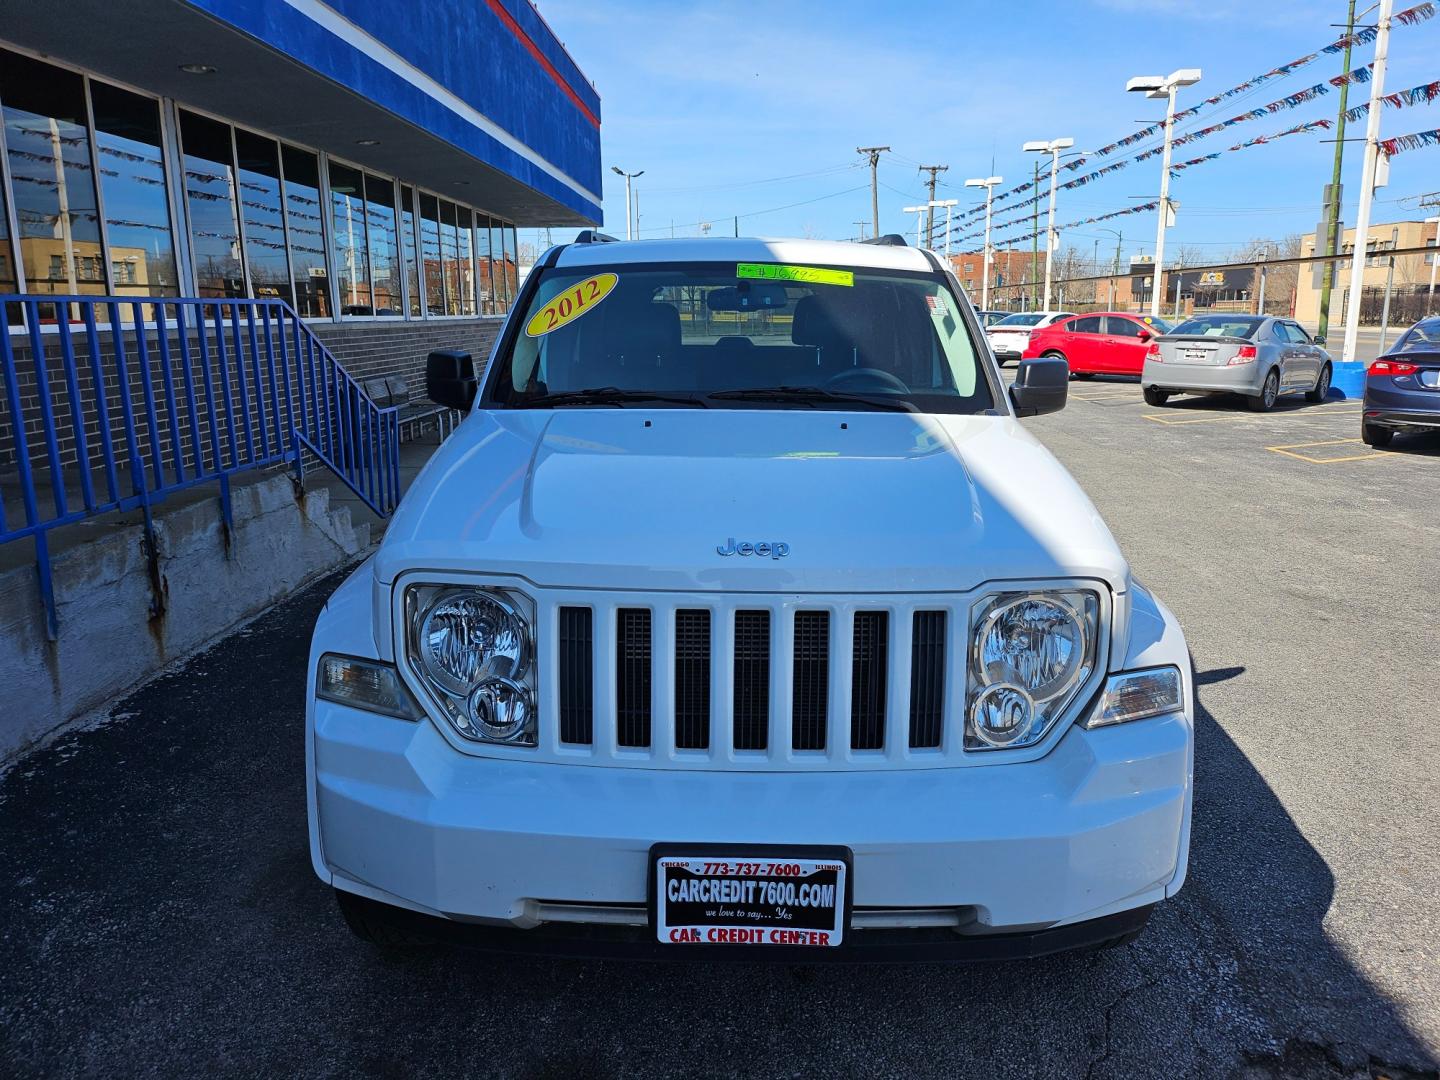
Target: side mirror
1144 336
1041 386
450 380
1318 339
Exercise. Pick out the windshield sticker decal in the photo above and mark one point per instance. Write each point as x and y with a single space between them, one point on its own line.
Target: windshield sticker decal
805 275
571 304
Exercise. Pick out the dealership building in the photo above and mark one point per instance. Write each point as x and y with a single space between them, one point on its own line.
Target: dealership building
366 163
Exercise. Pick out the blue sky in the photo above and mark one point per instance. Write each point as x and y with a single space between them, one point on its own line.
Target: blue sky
715 102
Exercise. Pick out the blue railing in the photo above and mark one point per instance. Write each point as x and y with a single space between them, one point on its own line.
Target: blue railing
115 403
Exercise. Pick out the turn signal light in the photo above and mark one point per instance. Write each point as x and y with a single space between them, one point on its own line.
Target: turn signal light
1392 367
1243 355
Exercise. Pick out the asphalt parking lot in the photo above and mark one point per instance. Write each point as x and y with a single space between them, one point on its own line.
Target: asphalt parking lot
158 914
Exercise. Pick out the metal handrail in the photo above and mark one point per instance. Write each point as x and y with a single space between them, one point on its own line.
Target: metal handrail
188 391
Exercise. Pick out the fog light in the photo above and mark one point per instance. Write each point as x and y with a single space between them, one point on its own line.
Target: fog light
501 709
1002 715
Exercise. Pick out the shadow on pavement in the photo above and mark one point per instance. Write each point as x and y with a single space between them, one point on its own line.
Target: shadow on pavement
158 914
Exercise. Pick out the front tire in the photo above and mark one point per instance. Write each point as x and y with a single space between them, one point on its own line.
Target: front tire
1155 397
1321 390
1378 437
1265 400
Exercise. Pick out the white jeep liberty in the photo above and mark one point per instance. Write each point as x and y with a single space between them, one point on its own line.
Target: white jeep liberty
742 616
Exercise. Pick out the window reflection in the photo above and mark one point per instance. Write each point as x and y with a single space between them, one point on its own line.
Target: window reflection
48 150
466 234
407 247
347 222
512 266
304 216
483 268
450 253
384 250
210 200
132 180
430 254
259 162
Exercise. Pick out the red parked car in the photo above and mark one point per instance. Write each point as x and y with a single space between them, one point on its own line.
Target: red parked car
1103 343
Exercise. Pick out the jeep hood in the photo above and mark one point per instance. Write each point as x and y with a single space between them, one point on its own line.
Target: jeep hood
643 499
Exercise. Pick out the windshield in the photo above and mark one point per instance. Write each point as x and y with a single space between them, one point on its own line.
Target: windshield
747 335
1221 326
1020 320
1422 337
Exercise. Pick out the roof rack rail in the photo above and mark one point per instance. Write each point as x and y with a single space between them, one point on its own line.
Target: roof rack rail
594 236
888 240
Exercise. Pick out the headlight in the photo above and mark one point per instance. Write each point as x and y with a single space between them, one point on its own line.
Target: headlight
472 649
1030 653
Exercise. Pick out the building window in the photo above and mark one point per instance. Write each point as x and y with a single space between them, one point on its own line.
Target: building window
384 244
210 203
466 231
408 249
450 256
132 182
305 218
433 275
347 224
263 216
47 144
484 271
512 265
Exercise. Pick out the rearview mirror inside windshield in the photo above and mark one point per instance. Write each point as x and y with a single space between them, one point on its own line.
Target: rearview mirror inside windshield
747 296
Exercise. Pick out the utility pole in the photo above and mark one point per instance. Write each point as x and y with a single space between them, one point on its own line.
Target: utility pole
1332 193
874 152
861 226
934 171
1367 183
1119 239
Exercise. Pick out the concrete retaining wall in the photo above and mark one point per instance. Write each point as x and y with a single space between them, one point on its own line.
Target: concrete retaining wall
109 639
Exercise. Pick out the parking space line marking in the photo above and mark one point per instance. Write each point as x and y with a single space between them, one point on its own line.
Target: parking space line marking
1286 450
1338 410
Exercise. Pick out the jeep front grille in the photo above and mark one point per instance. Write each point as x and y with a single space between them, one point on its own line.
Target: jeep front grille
739 682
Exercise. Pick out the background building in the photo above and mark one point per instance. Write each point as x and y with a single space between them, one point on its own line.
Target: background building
1411 284
365 163
1006 267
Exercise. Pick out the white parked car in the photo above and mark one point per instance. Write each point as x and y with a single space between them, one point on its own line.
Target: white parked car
743 613
1010 336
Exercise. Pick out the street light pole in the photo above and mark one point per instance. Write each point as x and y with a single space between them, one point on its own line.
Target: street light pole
629 206
1367 184
1053 148
1155 86
988 183
919 211
1434 261
949 205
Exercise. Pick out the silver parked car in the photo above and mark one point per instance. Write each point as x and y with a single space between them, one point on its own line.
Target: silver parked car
1258 356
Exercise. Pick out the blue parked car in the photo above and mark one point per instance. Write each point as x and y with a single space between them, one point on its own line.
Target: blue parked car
1402 388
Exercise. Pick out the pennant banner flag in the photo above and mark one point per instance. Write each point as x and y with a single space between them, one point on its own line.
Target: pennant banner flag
1359 75
1401 143
1138 209
1417 14
1416 95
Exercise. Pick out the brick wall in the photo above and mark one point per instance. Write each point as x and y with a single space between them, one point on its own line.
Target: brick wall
400 348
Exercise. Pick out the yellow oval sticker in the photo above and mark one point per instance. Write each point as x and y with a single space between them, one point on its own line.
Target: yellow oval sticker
571 304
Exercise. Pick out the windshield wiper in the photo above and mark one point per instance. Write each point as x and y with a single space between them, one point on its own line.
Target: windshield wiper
814 396
609 395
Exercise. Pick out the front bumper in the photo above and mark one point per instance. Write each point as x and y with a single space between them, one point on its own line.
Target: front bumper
1203 378
1098 825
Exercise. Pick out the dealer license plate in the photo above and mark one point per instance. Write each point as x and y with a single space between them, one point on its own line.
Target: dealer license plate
1196 356
745 899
